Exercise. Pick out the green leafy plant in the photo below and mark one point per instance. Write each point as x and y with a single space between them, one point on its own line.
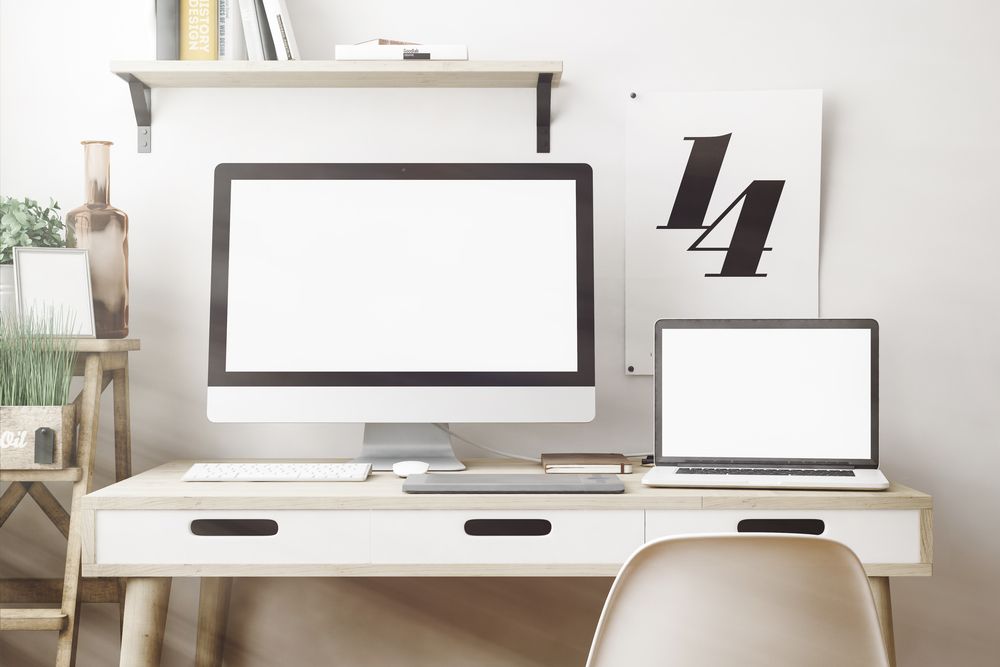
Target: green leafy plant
26 223
36 364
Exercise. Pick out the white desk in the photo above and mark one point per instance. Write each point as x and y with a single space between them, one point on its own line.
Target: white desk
141 529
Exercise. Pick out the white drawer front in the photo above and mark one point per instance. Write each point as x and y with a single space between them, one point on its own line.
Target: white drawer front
876 536
574 536
166 536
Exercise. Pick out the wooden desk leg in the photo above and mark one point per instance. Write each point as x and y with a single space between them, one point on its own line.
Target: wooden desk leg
88 416
123 452
213 615
146 600
883 605
123 424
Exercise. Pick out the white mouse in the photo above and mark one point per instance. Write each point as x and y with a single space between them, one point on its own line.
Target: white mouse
407 468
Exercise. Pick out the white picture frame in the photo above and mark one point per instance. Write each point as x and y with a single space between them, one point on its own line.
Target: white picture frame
56 280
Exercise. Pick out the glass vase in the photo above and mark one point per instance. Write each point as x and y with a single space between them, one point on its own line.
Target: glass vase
103 230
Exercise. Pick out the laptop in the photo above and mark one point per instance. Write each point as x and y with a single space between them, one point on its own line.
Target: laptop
767 404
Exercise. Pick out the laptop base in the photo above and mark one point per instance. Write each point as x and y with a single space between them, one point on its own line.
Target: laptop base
864 479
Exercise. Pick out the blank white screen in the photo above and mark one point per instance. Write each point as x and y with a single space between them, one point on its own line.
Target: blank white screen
402 275
766 393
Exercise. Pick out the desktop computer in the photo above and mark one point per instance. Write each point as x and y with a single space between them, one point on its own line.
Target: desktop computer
402 296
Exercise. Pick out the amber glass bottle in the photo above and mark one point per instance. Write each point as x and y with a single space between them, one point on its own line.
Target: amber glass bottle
103 230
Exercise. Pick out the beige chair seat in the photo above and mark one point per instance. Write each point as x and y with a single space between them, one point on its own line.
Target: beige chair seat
741 600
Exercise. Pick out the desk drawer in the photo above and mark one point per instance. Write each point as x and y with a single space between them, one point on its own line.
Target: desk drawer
495 536
876 536
231 537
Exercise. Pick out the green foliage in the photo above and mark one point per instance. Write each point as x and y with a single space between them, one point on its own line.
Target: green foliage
26 223
36 365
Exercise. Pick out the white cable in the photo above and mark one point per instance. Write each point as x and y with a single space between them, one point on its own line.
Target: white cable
505 454
485 448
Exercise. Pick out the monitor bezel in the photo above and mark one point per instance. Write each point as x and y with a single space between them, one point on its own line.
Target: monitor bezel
866 324
225 174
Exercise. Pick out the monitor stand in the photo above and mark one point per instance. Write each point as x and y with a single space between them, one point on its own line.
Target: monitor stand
385 444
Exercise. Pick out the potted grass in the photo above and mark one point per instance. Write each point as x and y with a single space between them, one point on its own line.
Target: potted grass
36 367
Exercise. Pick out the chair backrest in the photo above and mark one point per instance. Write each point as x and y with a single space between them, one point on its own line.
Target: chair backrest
747 600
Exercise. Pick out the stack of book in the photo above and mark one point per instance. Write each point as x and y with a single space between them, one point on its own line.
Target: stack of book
224 30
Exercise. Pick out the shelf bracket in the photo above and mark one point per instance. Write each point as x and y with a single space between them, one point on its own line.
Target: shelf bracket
141 103
543 115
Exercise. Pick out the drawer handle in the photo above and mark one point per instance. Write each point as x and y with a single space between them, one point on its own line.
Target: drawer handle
802 526
234 527
519 527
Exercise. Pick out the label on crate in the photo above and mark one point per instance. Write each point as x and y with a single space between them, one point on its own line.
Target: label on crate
13 439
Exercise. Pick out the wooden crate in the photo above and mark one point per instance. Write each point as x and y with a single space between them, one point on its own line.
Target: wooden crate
17 436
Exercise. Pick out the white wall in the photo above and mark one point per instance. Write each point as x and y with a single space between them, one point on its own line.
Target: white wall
909 236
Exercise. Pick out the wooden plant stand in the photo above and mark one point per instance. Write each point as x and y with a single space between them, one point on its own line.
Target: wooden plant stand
101 363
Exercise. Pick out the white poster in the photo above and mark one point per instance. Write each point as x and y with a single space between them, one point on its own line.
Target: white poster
722 210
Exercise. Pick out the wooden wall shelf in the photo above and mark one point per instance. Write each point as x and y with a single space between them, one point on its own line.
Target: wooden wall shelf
142 76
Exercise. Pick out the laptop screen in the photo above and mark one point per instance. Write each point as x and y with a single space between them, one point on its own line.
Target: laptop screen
766 390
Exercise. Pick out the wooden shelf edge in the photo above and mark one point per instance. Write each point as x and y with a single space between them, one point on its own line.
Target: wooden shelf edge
107 345
49 591
338 73
59 475
32 619
193 66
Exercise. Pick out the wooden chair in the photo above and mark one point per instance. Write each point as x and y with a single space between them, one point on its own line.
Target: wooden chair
748 600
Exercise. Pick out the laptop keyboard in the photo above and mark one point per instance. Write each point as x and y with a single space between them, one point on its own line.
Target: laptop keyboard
765 471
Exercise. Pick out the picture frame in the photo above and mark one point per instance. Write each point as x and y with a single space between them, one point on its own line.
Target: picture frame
56 280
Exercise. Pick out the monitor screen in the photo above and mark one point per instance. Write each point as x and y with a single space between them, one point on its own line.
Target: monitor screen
468 273
765 393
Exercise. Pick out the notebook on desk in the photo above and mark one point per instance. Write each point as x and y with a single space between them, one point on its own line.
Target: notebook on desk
586 463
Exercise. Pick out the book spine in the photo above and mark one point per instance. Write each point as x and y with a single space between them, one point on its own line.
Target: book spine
199 35
281 30
232 45
167 29
251 29
222 30
435 52
400 52
266 43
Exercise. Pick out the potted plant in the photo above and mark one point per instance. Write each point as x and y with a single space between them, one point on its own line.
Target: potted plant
36 368
24 223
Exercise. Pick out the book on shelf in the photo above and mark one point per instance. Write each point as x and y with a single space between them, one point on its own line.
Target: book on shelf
199 30
167 30
251 29
282 35
390 49
232 45
586 463
264 31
